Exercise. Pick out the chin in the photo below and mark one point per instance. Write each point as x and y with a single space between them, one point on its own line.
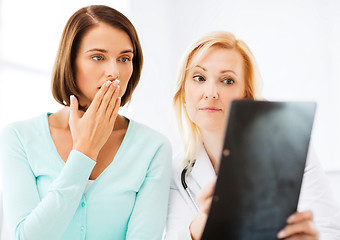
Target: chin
212 126
83 104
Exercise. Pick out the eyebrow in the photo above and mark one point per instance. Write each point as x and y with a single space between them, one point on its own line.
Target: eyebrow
223 71
201 67
226 71
105 51
127 51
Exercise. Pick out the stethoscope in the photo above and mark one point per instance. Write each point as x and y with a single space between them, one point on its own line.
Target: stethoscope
184 184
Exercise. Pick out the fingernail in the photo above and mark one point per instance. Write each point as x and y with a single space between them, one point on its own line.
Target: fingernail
107 84
290 219
72 98
281 234
116 82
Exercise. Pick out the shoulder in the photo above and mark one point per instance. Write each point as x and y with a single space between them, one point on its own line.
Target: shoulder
146 134
141 140
23 129
17 137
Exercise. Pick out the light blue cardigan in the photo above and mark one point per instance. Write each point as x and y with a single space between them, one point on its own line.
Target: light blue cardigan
44 196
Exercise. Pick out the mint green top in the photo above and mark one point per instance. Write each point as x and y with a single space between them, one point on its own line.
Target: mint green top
44 196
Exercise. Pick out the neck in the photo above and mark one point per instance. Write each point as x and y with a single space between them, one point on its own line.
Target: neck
213 144
60 119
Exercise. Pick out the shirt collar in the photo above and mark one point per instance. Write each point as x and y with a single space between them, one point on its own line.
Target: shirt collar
203 171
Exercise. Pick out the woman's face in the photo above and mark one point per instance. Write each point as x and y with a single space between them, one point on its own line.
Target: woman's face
105 53
210 86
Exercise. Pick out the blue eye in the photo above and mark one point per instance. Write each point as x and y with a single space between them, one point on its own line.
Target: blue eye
125 59
198 78
229 81
97 58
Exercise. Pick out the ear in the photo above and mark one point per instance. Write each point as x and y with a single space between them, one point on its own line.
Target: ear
184 100
245 94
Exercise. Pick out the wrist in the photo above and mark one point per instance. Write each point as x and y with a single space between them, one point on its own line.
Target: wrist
87 151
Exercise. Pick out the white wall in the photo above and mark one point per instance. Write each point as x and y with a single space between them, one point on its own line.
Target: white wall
296 44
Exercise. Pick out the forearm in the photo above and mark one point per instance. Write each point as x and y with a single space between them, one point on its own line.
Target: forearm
316 195
149 214
30 218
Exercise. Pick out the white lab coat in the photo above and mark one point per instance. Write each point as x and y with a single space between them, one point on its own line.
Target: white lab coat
315 195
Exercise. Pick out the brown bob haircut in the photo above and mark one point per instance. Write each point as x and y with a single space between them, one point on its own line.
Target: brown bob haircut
63 77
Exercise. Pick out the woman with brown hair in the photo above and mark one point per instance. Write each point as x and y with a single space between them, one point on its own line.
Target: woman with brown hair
86 172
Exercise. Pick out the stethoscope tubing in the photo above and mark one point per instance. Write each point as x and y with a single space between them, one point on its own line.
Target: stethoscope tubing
185 186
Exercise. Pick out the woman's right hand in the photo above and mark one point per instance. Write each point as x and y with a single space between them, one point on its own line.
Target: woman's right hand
300 225
204 200
90 130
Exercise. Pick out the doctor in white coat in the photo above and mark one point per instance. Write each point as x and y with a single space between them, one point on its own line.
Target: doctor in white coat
216 70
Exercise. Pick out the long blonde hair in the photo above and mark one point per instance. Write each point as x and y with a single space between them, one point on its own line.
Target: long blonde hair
188 129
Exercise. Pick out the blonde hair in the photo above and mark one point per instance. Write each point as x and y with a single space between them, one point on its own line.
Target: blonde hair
188 129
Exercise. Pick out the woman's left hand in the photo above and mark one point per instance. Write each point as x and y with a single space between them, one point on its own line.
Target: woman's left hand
300 226
204 200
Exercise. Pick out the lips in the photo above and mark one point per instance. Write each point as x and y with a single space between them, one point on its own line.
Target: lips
210 109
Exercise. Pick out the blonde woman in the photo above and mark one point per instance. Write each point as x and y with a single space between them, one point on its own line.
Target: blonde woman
217 69
86 172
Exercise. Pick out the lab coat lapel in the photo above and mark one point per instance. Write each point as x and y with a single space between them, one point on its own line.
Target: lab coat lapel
203 171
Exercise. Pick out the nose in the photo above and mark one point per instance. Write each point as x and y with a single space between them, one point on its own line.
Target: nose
112 70
210 91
